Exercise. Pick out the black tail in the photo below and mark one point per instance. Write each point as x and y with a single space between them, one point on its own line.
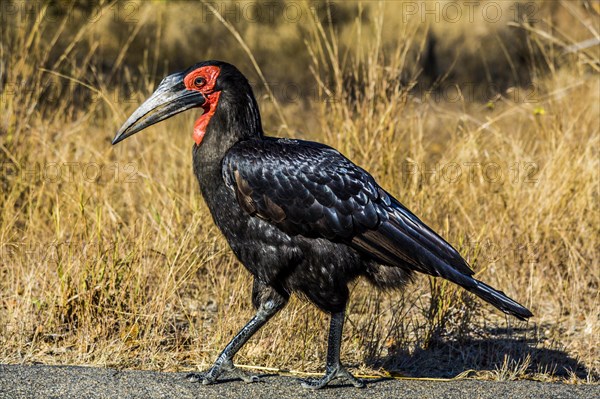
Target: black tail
500 300
485 292
405 241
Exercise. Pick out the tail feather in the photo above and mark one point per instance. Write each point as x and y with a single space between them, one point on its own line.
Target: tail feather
405 241
489 294
500 300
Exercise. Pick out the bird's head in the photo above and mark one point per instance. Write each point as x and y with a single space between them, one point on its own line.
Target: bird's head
201 85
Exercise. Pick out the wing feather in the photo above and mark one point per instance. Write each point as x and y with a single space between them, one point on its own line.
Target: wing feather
311 189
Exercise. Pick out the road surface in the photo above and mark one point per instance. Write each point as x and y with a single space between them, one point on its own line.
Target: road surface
45 382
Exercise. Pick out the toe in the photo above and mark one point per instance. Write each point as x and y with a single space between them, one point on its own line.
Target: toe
343 373
315 383
358 383
310 383
203 378
332 373
194 377
247 378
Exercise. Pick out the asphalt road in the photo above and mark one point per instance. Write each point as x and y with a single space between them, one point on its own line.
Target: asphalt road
45 382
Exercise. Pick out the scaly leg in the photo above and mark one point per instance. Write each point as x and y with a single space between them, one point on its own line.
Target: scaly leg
268 302
333 367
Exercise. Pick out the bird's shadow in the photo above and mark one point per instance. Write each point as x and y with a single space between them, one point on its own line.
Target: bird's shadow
506 353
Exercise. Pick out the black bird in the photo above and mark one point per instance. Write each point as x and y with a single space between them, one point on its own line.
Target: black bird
299 215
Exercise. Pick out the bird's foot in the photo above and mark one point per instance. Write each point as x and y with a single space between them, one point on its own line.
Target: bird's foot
210 376
331 374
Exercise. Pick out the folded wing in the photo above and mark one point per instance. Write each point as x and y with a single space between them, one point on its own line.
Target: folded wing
311 189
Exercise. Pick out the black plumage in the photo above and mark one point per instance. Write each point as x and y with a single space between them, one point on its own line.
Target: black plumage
302 218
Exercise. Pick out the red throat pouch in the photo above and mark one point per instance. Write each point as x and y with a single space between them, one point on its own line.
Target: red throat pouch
201 123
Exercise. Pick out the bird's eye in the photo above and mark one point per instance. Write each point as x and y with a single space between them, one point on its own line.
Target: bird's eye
199 81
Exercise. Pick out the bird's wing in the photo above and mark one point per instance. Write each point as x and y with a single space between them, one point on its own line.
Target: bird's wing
311 189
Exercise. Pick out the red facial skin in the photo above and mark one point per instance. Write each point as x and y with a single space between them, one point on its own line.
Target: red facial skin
209 74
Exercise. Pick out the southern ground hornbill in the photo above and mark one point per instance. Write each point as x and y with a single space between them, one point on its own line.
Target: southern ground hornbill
299 215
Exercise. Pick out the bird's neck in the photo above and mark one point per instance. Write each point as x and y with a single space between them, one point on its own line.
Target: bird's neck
230 123
227 122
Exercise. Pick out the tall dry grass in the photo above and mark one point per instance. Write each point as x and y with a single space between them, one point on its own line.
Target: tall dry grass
109 256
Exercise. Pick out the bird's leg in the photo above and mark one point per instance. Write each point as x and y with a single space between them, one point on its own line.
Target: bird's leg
225 360
333 367
268 303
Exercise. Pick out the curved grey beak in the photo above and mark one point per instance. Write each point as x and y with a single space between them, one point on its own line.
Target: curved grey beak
170 98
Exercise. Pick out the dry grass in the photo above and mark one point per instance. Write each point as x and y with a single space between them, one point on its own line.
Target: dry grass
109 256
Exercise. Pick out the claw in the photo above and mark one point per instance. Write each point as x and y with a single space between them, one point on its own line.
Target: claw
210 377
198 377
247 378
331 374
